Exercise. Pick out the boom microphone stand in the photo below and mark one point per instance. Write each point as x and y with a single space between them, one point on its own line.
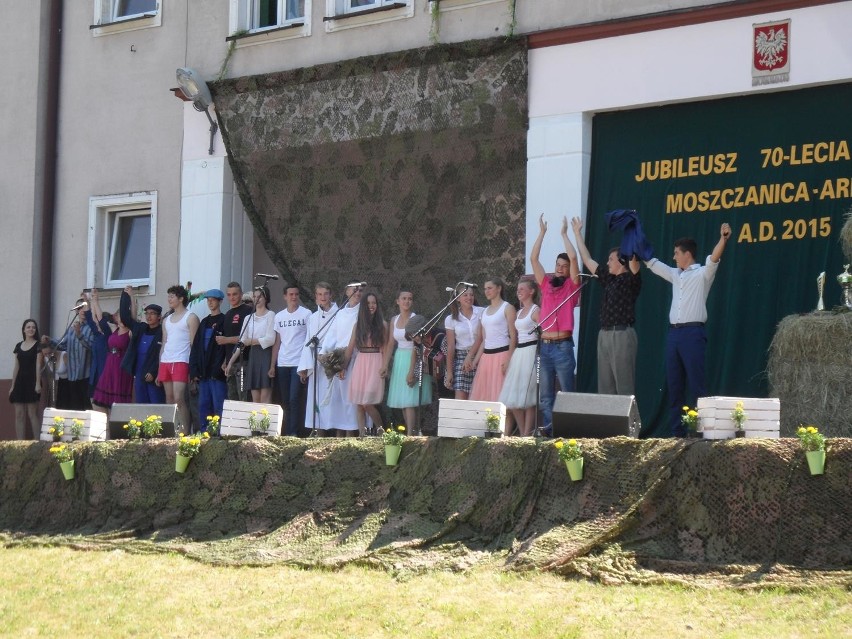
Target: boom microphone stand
539 432
418 347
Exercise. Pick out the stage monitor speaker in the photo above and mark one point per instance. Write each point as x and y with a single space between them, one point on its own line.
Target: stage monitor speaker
122 413
593 416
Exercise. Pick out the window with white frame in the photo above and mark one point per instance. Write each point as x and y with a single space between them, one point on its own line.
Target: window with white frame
355 6
122 237
112 16
253 16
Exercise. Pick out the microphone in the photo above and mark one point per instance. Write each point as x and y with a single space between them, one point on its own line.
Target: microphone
80 305
354 284
450 289
469 285
592 276
266 275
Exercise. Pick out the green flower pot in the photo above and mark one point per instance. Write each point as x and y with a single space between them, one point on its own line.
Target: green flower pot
392 455
575 468
67 469
816 461
181 463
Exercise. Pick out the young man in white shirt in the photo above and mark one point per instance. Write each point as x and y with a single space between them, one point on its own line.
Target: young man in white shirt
291 333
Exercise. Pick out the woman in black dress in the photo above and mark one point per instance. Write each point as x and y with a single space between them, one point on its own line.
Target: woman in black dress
26 380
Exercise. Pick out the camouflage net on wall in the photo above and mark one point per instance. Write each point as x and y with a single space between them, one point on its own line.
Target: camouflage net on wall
741 512
402 169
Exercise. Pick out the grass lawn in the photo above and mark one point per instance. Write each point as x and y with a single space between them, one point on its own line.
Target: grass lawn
57 592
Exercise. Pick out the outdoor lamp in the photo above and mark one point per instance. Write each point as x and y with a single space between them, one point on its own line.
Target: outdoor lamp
195 89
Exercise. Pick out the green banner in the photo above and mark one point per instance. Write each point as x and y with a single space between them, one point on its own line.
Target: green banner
777 167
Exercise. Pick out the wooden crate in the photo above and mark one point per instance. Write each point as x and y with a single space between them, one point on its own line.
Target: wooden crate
464 418
763 421
235 418
94 424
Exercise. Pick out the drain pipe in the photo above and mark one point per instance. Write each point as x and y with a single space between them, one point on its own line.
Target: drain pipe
45 210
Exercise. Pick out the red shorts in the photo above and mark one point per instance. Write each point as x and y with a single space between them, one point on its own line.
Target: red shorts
173 372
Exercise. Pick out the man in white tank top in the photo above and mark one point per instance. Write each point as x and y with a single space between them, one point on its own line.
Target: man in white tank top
178 333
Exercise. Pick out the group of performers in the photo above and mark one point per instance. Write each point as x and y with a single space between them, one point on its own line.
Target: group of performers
345 357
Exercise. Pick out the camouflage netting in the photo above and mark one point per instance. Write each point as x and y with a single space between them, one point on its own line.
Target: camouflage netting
846 236
810 371
743 512
401 169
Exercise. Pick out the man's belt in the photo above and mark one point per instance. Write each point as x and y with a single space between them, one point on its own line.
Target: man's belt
686 325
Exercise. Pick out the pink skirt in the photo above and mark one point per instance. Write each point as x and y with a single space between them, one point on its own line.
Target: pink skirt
366 386
488 381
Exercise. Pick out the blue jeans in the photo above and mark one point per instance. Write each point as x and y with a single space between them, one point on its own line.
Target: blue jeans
557 360
148 392
212 394
290 395
684 365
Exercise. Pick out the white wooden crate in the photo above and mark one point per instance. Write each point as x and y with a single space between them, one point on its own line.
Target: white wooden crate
763 417
94 424
235 418
464 418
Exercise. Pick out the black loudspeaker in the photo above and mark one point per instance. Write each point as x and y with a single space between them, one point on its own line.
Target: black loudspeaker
122 413
592 416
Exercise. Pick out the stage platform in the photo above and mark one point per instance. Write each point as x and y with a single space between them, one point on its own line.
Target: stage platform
645 507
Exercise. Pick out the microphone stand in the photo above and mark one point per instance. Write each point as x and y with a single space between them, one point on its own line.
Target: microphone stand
313 344
537 329
418 350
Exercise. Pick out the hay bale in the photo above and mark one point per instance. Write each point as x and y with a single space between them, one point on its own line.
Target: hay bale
810 370
846 236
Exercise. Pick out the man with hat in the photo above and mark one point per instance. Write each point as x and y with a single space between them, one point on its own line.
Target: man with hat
206 359
142 358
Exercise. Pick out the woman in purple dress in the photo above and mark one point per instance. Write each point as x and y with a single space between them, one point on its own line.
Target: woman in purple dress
114 386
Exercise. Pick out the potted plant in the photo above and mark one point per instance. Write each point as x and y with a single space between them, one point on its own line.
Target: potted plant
133 428
58 428
572 455
213 425
690 420
188 447
76 429
814 444
492 424
739 416
392 438
152 426
259 422
64 455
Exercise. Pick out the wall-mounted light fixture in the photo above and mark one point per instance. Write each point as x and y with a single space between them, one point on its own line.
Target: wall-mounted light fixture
196 90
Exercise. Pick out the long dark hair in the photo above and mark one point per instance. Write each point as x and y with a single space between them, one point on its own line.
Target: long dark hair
455 306
369 329
24 325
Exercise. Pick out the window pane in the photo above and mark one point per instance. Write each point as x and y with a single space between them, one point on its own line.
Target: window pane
362 3
295 9
132 7
132 250
267 13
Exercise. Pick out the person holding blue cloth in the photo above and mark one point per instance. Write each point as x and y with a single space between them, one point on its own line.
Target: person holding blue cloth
142 359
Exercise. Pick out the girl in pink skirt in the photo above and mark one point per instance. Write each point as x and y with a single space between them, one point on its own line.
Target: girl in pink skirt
499 338
367 386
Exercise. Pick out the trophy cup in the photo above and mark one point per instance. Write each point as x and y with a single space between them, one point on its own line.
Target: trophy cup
845 281
820 287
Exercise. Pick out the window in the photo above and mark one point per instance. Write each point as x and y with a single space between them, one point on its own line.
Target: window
113 16
267 14
348 14
355 6
122 238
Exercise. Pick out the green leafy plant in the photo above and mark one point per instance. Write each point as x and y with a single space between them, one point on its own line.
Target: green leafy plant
394 436
61 453
811 438
259 421
568 450
213 424
76 428
189 445
492 421
58 428
152 426
690 418
739 416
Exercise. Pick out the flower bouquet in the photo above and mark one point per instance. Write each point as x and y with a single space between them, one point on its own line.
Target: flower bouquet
393 438
63 454
814 444
332 362
572 455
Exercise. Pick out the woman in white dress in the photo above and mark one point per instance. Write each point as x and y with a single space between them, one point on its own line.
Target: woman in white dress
519 387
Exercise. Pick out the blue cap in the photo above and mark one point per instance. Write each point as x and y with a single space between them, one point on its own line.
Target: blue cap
215 293
155 307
